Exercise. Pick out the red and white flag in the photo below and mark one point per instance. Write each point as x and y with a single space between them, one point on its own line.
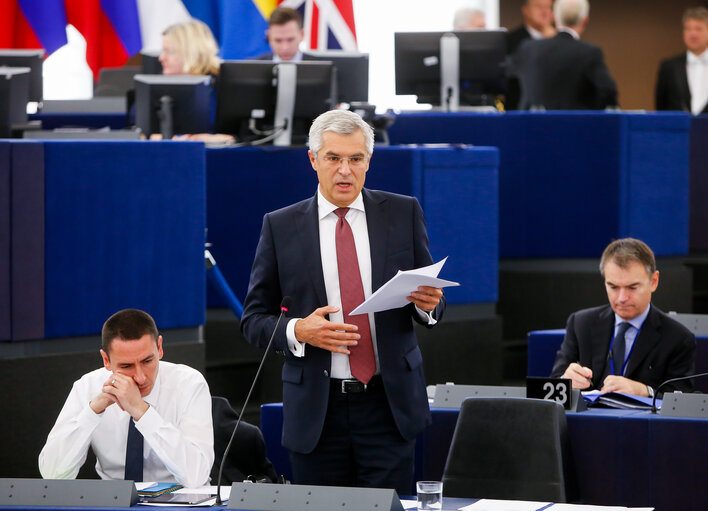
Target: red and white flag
329 24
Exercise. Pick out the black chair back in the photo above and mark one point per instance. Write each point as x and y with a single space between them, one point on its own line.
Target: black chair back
247 456
510 448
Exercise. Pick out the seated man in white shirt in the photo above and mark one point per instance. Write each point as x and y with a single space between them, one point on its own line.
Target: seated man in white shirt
166 406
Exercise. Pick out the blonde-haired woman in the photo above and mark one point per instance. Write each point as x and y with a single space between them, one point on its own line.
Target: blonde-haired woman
189 48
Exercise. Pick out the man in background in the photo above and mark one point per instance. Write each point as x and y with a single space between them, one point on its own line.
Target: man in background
682 82
145 420
538 23
468 18
628 346
285 33
563 72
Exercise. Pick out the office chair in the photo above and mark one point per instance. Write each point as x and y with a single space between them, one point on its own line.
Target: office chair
247 456
509 448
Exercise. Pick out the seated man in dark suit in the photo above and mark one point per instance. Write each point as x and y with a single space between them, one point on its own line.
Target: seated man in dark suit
682 83
563 72
628 346
285 33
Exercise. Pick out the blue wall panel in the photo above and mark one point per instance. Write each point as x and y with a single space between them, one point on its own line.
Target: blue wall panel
125 227
5 249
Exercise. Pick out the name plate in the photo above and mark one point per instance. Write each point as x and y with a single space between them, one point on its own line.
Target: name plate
559 390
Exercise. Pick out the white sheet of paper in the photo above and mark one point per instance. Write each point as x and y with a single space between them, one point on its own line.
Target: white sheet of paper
409 504
393 293
504 505
586 507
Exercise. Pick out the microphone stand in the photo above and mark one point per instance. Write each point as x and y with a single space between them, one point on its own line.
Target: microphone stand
672 380
284 305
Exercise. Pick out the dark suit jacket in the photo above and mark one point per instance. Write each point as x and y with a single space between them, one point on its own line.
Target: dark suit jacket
663 349
672 91
515 38
288 263
562 73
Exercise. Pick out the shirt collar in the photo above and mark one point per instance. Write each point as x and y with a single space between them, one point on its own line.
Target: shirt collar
535 34
692 58
570 31
636 322
296 58
325 207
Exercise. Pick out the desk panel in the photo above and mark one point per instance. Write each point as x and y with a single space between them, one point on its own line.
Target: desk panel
620 457
99 226
570 182
456 187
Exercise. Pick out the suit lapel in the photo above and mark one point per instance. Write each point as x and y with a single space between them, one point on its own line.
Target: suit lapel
601 335
307 224
682 84
376 214
648 337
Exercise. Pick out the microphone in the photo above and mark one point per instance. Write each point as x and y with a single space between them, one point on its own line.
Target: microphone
285 304
672 380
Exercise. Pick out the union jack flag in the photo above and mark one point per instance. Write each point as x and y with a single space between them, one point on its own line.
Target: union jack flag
329 24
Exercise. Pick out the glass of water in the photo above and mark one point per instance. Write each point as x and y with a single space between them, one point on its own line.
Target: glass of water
429 494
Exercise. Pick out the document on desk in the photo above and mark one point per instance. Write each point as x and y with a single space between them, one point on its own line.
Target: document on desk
392 295
190 495
585 507
505 505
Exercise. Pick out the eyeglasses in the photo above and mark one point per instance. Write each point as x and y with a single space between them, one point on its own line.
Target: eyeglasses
355 162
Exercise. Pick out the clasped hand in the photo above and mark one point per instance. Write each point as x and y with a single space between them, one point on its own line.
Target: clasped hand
124 392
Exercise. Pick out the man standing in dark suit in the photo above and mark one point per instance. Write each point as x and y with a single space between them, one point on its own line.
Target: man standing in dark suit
538 24
285 33
354 395
628 346
563 72
682 83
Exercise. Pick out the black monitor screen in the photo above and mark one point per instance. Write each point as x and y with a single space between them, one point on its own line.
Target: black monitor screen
248 89
32 59
150 63
189 96
14 91
482 58
352 73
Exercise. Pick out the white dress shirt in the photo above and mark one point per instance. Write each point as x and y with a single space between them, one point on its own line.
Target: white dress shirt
177 428
697 73
356 216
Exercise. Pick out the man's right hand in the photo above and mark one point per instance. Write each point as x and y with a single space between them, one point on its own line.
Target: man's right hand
317 330
102 401
579 375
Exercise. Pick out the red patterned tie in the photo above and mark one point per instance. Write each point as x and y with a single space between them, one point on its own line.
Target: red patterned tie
361 359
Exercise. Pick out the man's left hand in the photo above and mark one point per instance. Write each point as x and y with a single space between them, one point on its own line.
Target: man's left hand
426 297
127 395
624 385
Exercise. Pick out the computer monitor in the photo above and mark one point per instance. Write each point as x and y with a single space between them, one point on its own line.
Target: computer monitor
14 92
352 73
255 97
150 62
170 104
32 59
451 68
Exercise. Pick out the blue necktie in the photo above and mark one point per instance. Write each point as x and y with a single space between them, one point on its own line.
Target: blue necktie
134 454
618 348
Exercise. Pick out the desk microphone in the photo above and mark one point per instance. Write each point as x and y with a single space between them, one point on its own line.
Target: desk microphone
284 306
672 380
